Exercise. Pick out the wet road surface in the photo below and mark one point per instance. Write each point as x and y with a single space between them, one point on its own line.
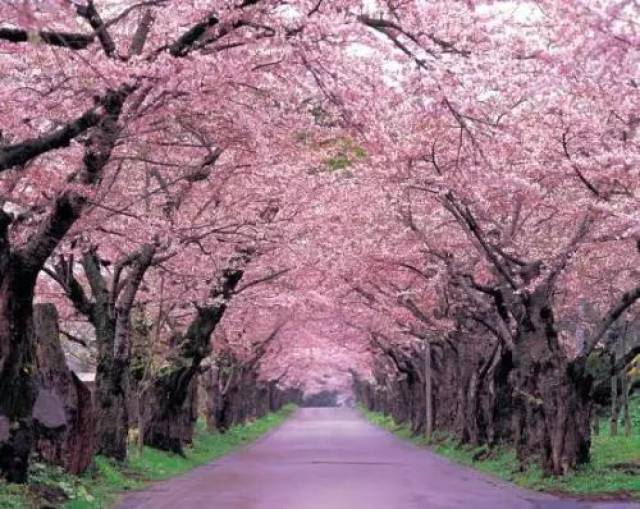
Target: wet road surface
332 459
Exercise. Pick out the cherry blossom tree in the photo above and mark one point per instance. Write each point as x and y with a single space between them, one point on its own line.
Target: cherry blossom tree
421 192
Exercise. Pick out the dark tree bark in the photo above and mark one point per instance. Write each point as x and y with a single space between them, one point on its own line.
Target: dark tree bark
109 311
163 423
550 393
102 120
17 367
223 387
184 44
552 407
63 411
18 273
101 143
90 13
234 393
73 41
428 391
114 349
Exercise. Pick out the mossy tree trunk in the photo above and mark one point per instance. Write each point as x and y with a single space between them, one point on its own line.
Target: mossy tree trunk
108 309
18 274
164 401
19 270
551 395
234 388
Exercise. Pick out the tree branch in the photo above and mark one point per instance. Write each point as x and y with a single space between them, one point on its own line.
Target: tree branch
63 275
183 45
264 279
141 34
568 253
90 13
74 338
466 219
20 153
627 299
91 266
565 147
383 26
261 349
104 114
73 41
139 266
66 210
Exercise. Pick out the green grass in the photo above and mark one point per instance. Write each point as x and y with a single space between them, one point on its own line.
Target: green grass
606 475
100 487
12 495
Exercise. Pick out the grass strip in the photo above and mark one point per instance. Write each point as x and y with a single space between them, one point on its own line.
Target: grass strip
101 486
614 471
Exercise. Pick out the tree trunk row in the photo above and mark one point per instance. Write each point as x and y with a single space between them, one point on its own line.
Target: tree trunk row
65 426
234 395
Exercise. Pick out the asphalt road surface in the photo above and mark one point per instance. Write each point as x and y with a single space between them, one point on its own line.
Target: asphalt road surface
332 459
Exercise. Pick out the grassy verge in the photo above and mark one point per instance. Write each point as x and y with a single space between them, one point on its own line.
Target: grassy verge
51 487
614 470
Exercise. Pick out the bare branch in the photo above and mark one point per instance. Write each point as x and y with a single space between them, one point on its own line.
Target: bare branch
264 279
20 153
467 220
141 34
75 339
90 13
568 252
576 169
73 41
627 300
183 45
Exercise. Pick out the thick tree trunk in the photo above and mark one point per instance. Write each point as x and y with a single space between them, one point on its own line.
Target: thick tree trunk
552 419
498 398
224 414
168 410
234 394
219 400
482 415
552 410
210 393
17 371
110 314
467 386
263 402
111 409
275 396
18 273
472 413
111 390
168 392
63 412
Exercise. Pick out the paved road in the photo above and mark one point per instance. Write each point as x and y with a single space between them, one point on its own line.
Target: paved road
332 459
